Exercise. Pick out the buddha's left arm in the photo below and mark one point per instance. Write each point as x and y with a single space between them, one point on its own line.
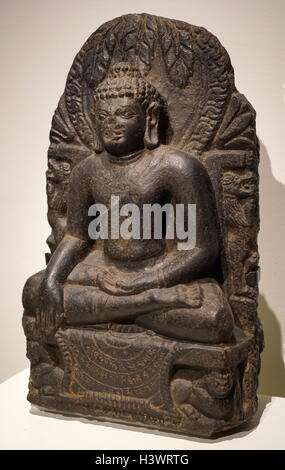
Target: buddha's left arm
190 184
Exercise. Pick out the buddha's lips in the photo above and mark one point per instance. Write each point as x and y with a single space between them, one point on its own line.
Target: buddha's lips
113 135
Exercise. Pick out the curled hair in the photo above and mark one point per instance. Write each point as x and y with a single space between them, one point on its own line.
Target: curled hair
125 79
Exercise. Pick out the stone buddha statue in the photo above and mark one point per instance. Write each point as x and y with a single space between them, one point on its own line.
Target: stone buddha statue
145 281
149 320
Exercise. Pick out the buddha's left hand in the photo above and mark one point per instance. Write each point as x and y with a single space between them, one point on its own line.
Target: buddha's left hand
127 286
137 284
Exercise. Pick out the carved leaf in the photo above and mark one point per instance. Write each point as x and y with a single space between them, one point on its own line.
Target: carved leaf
177 53
135 37
126 33
237 130
146 41
98 58
238 143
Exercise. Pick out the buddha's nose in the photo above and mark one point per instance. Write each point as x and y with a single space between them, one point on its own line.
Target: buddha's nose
112 120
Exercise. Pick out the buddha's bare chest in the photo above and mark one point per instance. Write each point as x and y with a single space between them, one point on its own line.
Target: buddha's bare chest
137 185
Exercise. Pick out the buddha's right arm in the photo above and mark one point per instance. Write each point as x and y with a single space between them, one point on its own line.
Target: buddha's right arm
76 243
49 315
67 255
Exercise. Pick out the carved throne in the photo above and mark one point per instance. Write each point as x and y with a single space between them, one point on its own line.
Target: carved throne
122 372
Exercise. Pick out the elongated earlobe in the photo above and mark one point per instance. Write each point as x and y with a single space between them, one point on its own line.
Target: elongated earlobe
152 125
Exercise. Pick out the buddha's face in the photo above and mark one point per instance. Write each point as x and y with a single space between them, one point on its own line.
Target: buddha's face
121 125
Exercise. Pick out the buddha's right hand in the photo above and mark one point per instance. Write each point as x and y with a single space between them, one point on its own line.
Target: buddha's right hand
50 312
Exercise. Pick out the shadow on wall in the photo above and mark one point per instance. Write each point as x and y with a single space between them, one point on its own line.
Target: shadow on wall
272 375
271 243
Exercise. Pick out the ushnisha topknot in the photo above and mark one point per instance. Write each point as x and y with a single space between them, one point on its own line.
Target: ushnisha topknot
125 79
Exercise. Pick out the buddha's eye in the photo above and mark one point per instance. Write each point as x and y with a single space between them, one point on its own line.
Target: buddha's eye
101 116
126 114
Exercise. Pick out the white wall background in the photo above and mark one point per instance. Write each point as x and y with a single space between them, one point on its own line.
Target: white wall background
38 41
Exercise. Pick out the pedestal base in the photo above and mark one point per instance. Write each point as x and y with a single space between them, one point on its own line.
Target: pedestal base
126 374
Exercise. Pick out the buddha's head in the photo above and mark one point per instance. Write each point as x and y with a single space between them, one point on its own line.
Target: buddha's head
127 111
